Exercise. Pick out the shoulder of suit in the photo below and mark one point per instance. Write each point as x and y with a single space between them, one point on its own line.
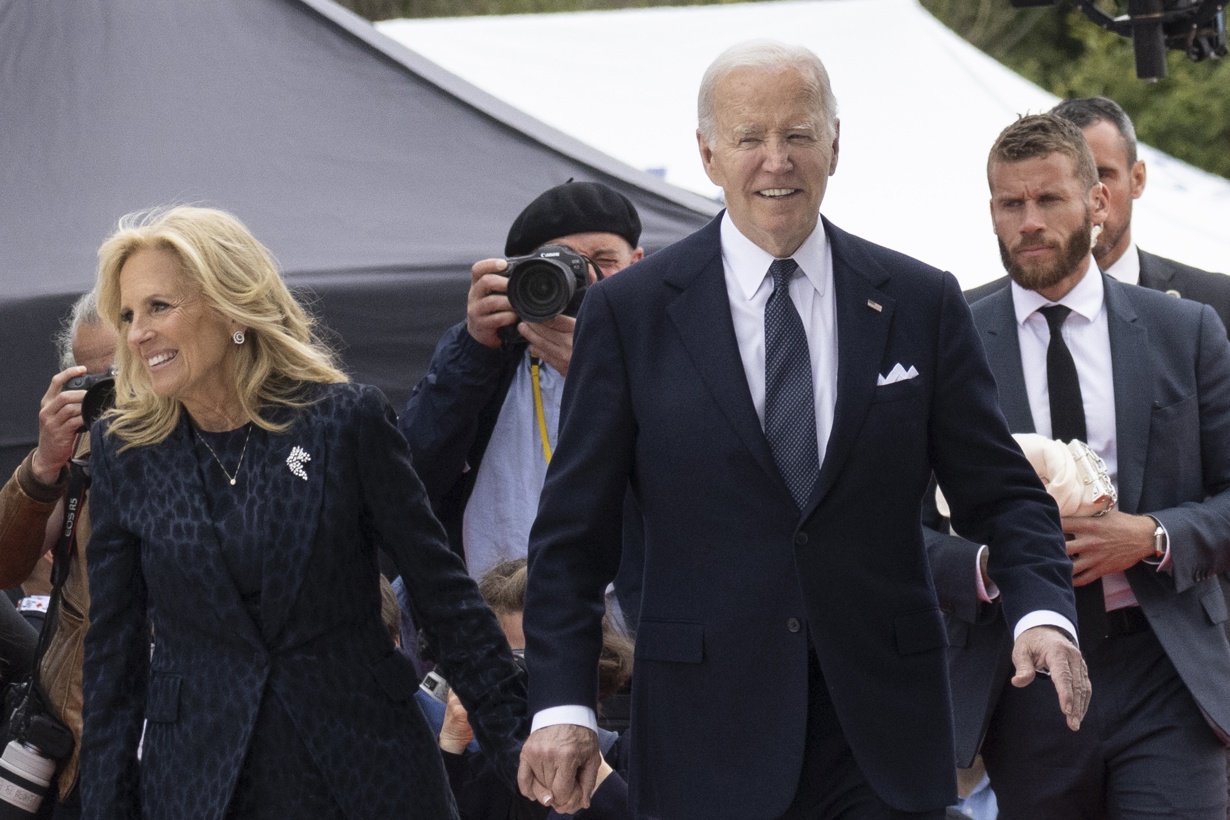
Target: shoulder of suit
976 294
1211 278
1156 302
990 299
339 402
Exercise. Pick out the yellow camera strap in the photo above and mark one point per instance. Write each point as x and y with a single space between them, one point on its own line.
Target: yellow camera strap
538 411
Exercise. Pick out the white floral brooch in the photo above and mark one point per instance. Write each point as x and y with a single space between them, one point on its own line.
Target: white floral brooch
298 456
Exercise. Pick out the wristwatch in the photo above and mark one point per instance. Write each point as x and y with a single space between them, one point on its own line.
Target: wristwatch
1160 541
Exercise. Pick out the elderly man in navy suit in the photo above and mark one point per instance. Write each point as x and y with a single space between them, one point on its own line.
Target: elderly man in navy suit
1144 380
776 392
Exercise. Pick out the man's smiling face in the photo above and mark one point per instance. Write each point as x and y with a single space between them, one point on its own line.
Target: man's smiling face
772 154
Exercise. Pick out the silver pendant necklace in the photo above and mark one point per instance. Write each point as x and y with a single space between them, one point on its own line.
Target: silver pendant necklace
242 453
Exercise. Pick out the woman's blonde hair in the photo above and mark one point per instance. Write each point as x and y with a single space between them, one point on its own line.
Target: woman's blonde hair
237 276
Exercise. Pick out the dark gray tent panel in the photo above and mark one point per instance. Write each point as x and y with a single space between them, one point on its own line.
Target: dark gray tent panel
374 176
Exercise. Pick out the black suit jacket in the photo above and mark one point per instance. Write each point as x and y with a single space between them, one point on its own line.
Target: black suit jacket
1177 279
736 581
1171 367
320 648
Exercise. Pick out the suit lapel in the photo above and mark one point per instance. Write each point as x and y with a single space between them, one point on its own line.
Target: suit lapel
1132 370
1154 272
996 321
862 335
296 474
701 314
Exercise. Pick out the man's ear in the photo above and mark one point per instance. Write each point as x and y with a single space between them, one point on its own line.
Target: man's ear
836 146
1099 203
638 255
706 157
1137 175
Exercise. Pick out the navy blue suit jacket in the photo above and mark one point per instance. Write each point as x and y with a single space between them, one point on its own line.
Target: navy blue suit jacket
321 647
735 579
1171 369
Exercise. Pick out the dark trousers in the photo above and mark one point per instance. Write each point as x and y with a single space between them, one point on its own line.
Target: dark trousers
1143 751
831 786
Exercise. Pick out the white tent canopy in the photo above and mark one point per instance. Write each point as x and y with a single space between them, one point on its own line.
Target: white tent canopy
919 110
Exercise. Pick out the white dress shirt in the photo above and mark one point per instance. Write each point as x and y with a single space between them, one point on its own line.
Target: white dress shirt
748 287
1087 334
1127 267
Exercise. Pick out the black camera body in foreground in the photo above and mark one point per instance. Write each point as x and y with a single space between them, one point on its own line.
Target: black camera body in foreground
547 283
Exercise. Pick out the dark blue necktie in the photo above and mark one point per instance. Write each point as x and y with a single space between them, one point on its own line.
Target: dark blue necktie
789 399
1067 423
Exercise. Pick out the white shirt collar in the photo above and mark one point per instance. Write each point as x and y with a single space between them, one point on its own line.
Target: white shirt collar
1086 298
1127 268
750 263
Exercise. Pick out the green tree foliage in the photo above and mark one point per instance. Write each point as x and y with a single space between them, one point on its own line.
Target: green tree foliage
1186 115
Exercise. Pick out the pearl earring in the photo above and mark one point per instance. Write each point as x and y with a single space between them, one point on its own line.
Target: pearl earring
238 337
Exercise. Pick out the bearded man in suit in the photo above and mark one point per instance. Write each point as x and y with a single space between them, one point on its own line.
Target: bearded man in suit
1144 380
1112 138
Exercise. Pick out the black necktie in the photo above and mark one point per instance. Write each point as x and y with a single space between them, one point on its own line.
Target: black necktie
1067 408
789 399
1067 423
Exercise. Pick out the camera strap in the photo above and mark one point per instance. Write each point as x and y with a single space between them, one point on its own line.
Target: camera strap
62 553
536 381
74 498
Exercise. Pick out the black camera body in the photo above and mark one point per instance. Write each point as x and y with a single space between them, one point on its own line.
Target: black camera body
99 395
547 283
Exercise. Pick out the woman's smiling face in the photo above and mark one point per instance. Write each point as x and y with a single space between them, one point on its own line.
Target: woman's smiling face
184 343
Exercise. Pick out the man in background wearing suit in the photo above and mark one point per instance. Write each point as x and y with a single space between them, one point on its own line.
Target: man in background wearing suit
776 392
1144 380
1111 137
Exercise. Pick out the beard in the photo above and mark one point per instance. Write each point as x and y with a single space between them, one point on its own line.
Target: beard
1041 275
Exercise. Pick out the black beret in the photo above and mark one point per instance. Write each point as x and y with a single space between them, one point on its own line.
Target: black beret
574 207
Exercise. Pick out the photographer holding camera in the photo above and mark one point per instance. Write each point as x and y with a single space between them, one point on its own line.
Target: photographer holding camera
482 423
31 512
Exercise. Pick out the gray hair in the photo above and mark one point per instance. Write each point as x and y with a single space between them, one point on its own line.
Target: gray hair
83 313
768 55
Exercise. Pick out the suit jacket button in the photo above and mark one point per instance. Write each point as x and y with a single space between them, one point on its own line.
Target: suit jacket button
800 538
793 624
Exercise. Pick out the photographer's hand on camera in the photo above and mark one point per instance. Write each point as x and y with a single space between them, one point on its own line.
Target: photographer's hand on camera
487 306
59 421
488 311
551 341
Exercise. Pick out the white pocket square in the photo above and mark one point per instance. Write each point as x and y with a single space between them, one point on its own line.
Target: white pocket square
897 374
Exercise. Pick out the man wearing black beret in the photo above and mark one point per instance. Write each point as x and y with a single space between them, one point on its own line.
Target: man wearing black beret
482 423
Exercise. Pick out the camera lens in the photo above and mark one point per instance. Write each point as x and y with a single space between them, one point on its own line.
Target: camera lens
25 777
540 289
